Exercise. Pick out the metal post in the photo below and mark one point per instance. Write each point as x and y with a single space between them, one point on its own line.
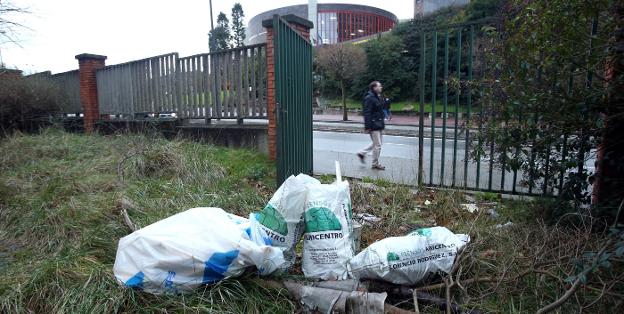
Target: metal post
421 120
468 105
457 99
445 108
432 114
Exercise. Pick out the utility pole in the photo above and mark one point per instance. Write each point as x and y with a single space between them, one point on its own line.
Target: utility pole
1 60
210 39
214 67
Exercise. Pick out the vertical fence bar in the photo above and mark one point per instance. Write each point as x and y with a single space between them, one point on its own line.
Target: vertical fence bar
253 84
239 86
217 84
564 148
190 90
245 90
227 90
588 83
445 108
534 137
185 86
468 105
432 114
206 87
517 153
457 98
421 120
157 95
482 118
175 92
479 155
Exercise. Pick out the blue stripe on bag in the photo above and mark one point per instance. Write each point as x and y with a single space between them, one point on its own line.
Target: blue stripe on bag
217 265
136 281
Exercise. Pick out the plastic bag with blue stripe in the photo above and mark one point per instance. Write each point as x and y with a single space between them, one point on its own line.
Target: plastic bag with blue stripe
195 247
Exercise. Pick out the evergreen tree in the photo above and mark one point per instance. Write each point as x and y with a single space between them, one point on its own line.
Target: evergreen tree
238 28
221 35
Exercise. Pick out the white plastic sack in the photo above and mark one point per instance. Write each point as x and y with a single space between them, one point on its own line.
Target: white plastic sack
410 259
282 217
194 247
327 244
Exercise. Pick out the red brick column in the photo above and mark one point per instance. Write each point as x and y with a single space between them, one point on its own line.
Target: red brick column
88 64
10 73
271 95
302 26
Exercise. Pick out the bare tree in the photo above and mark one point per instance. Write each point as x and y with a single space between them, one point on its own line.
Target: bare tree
344 63
8 25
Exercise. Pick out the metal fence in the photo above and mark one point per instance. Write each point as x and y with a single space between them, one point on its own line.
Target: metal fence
225 84
68 85
458 152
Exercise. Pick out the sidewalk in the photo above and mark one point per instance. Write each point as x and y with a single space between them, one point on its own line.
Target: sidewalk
399 125
396 120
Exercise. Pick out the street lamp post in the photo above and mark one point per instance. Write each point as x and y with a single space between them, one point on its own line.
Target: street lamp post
1 60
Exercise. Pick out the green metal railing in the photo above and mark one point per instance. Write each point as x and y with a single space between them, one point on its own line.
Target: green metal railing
439 64
293 94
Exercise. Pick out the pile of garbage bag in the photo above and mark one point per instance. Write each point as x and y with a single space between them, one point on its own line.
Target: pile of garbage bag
205 245
195 247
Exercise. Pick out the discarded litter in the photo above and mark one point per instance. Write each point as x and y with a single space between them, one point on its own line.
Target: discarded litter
197 246
469 198
326 300
505 225
471 208
328 240
282 217
427 202
367 218
357 236
409 259
492 213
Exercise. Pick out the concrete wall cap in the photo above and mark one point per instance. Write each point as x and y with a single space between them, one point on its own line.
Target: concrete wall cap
85 56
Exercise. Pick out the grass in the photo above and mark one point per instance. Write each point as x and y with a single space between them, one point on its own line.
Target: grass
60 207
406 106
60 221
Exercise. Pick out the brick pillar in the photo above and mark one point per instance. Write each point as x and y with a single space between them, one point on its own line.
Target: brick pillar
302 26
88 64
10 73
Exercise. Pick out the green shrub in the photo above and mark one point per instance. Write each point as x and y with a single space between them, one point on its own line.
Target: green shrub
24 101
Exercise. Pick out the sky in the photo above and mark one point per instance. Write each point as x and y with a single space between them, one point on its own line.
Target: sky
126 30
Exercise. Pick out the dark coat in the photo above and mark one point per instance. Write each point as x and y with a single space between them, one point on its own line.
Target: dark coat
373 112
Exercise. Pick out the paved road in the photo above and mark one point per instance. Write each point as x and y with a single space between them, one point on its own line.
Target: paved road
400 156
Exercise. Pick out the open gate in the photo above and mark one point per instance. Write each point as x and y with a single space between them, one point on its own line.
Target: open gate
293 97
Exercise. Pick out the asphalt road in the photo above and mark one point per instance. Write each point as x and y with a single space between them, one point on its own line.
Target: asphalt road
400 156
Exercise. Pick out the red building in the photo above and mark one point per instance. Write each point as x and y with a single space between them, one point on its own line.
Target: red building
334 22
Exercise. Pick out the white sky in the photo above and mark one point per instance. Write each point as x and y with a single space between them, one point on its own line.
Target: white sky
126 30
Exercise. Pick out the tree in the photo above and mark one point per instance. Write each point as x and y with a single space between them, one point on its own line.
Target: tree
483 8
221 34
548 94
238 28
8 26
344 63
387 63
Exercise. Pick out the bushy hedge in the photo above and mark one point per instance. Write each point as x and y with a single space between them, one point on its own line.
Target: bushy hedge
24 102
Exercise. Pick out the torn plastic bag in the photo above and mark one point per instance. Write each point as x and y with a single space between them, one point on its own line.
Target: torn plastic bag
410 259
328 240
195 247
326 300
282 217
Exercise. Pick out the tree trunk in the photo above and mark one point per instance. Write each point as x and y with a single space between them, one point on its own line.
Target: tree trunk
609 184
344 101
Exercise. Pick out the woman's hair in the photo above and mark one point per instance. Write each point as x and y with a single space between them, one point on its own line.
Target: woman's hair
373 84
